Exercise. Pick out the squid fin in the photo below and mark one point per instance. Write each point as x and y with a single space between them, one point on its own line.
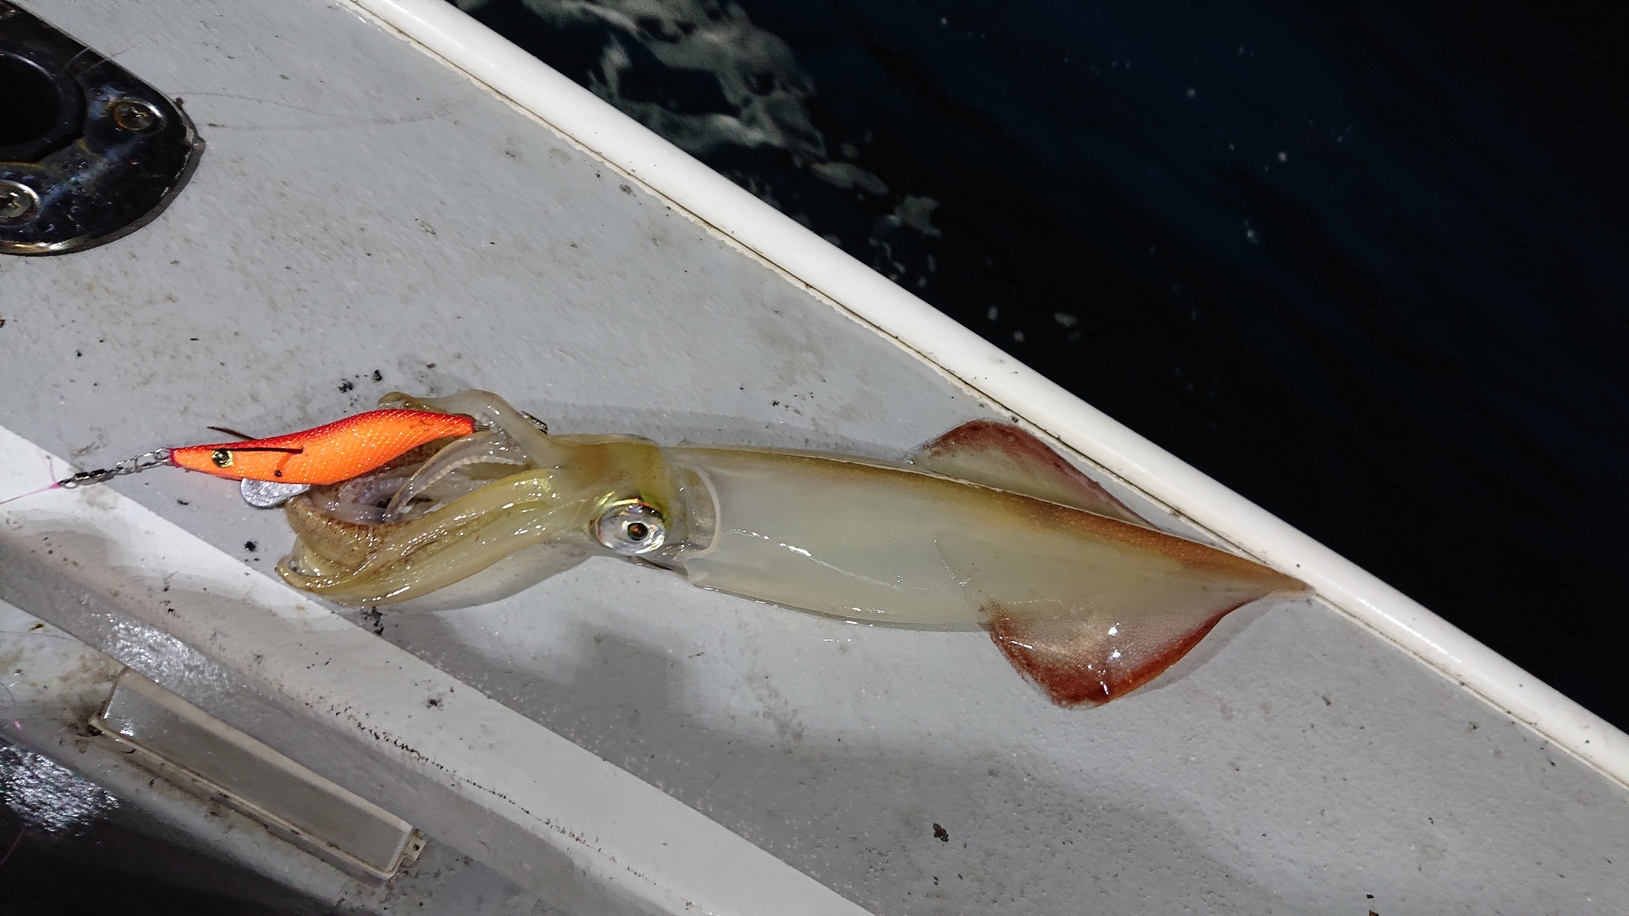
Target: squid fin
1007 458
1102 607
1073 660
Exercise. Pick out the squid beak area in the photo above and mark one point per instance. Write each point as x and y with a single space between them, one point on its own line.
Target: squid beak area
346 543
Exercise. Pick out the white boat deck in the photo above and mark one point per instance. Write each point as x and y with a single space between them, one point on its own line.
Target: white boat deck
364 219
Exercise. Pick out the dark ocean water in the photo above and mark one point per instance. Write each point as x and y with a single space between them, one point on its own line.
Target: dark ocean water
1364 264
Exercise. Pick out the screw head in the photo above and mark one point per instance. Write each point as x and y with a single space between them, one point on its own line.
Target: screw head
135 115
18 202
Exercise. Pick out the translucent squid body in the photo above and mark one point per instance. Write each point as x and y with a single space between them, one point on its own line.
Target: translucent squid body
985 527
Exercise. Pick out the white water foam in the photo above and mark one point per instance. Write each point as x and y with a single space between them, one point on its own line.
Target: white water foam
756 72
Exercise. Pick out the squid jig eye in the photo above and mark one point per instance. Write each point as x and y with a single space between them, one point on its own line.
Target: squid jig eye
632 528
221 457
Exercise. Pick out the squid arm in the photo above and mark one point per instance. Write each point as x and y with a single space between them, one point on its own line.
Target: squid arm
986 527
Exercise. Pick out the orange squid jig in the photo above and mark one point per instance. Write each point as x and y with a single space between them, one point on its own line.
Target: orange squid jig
326 454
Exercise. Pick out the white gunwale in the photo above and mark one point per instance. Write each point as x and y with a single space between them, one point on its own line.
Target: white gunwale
587 121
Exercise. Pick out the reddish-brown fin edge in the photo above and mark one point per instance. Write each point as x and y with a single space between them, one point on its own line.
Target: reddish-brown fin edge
1071 680
1042 473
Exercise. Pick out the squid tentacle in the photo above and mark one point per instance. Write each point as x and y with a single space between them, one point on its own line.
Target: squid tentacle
437 564
493 447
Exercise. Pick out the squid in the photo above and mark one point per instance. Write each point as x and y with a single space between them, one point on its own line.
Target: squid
984 527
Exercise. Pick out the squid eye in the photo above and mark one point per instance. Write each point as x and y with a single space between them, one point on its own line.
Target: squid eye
221 457
631 528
